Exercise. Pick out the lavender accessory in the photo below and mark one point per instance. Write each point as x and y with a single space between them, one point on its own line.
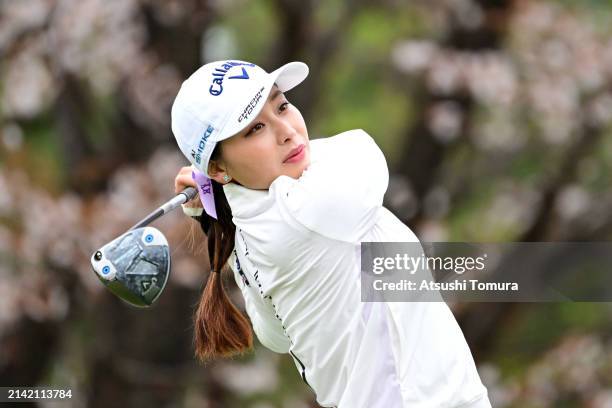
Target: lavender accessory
205 189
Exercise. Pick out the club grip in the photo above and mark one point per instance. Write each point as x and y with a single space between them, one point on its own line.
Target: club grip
190 193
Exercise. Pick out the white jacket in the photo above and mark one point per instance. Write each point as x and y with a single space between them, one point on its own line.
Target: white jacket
297 262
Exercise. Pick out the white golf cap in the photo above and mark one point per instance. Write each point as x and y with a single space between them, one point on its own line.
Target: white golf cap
220 99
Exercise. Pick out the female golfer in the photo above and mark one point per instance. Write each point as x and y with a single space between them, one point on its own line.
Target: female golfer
288 215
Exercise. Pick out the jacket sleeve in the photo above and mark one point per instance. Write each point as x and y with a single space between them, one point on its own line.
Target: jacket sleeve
340 193
266 326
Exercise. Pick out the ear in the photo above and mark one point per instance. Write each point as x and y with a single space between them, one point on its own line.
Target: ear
216 170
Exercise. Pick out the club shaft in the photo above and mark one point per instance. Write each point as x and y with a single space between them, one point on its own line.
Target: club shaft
187 194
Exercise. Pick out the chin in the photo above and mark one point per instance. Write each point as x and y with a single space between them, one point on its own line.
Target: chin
295 172
301 170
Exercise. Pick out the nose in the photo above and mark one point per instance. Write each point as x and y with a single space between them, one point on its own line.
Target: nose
284 130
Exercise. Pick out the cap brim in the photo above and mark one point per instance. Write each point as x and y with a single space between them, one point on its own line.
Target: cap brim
290 75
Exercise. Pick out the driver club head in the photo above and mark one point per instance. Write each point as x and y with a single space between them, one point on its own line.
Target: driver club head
134 266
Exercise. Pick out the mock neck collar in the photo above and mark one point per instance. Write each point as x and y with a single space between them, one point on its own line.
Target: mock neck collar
245 202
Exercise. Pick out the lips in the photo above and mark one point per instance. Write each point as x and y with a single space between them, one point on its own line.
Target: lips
294 152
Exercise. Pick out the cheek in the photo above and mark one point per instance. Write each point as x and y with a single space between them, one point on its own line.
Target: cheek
251 156
298 122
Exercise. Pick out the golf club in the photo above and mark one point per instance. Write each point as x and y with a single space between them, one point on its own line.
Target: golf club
136 265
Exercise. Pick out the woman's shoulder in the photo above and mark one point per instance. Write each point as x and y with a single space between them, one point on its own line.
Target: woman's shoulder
353 136
339 193
347 149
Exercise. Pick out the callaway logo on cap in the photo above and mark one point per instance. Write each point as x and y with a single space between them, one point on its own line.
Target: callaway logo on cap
220 99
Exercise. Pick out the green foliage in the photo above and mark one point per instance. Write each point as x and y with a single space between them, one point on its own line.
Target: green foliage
358 96
41 153
98 124
253 27
540 326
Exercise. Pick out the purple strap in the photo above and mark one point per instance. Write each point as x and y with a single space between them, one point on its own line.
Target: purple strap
205 189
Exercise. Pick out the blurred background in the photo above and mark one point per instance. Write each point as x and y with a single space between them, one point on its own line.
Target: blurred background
494 117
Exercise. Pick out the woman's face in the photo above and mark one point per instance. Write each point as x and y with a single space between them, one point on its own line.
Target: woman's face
256 156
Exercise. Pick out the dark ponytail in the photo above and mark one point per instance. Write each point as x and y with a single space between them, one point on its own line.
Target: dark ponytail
221 330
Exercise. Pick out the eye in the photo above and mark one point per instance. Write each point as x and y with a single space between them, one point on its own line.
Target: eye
283 107
255 128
